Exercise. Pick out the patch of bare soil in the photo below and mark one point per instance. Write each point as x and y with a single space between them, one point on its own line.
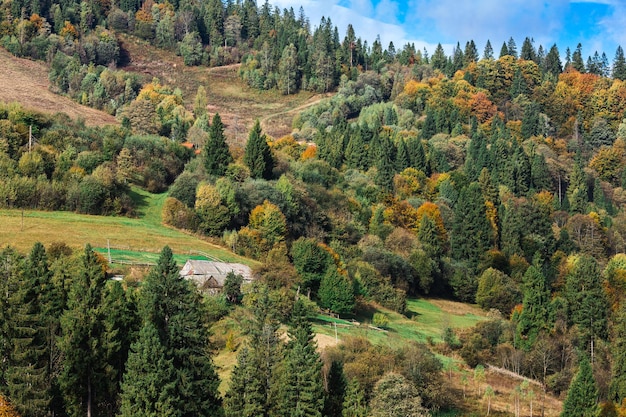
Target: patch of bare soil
26 82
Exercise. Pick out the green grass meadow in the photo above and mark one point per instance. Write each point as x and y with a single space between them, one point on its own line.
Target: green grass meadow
137 239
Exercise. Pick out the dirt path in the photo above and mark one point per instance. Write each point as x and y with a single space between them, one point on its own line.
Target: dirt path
26 82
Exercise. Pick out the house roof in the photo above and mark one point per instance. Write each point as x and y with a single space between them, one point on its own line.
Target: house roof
197 269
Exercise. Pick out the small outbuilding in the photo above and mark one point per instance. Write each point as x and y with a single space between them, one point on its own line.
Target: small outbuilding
210 276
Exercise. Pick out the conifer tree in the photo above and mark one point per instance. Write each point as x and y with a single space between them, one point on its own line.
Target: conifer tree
301 390
586 300
28 376
539 174
258 155
577 59
173 306
511 47
528 50
216 154
504 50
245 397
149 382
582 396
577 190
336 292
402 156
418 156
336 386
84 339
354 403
618 377
619 64
471 232
488 52
535 315
356 152
470 53
385 165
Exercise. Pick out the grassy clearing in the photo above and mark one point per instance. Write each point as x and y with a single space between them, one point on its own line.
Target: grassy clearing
135 239
238 105
26 82
424 321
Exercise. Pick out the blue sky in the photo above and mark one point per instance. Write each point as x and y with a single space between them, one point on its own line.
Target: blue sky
599 25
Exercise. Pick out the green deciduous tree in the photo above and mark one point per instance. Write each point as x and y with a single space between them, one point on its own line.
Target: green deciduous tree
394 396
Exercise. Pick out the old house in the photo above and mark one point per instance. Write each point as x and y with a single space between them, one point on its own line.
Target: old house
210 276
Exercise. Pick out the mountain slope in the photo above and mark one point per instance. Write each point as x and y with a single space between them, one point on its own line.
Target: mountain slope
26 82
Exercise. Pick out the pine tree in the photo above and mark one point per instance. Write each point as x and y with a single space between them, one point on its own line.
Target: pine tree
528 50
582 396
619 64
356 152
577 190
258 156
535 315
577 59
336 386
301 390
488 52
385 165
354 404
504 50
245 396
336 292
216 154
618 377
587 301
552 63
173 306
511 47
149 382
28 376
83 340
470 53
402 156
471 232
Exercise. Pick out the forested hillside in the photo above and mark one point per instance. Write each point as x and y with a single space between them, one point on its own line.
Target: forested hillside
482 177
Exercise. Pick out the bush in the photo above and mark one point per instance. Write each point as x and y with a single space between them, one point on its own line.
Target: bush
380 320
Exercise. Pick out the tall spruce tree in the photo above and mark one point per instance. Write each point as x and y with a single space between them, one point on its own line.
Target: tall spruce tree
28 376
173 306
215 153
471 232
149 382
618 370
577 190
619 64
84 339
354 403
258 155
336 385
582 396
301 389
535 315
